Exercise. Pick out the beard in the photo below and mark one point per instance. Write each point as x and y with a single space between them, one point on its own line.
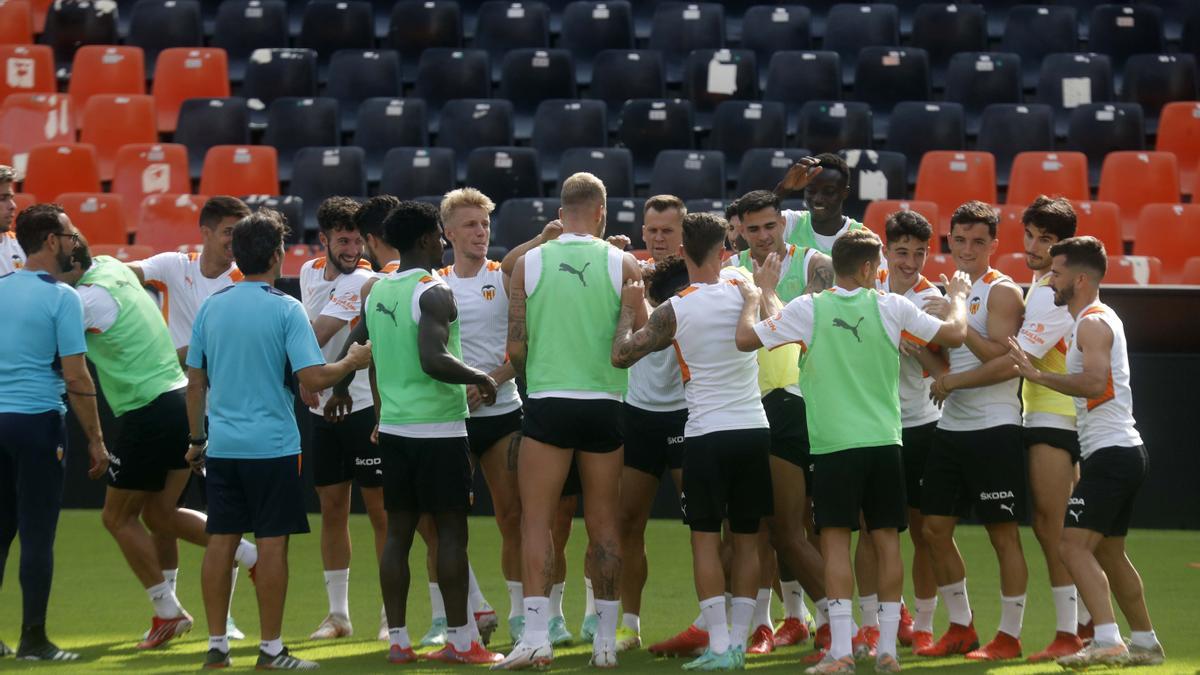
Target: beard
344 269
66 261
1063 296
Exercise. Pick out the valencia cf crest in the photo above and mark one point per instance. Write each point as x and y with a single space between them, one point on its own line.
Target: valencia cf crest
973 307
489 292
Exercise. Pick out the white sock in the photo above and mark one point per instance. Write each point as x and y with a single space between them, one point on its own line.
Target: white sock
762 610
399 637
232 587
868 605
556 599
516 598
1145 639
700 622
889 625
608 611
1085 617
841 627
1012 614
925 607
459 637
822 617
219 642
589 602
957 603
246 554
271 647
437 606
337 587
537 620
713 610
478 602
170 576
166 605
793 600
633 622
744 613
1108 634
1065 615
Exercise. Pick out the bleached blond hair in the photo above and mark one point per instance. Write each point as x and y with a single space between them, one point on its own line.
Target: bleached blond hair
464 197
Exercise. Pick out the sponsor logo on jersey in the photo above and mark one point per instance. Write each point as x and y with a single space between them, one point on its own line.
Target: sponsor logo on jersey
488 292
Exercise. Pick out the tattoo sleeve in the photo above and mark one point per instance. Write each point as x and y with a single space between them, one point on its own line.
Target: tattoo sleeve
630 346
820 274
518 335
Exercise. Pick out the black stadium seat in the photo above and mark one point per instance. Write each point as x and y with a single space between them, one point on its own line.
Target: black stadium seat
622 75
1120 31
688 174
613 166
917 128
739 126
205 122
327 27
944 30
649 126
886 76
356 75
1154 80
530 76
796 77
1033 32
276 73
979 79
698 80
290 207
762 168
680 27
768 30
589 28
625 216
1067 80
1006 129
562 124
446 74
324 172
511 25
874 174
851 27
474 123
828 126
161 24
245 25
417 26
519 220
294 123
386 123
504 173
70 25
414 171
1097 129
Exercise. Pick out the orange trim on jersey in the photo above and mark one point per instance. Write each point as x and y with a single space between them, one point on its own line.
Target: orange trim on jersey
905 335
319 263
1062 346
445 271
991 275
363 264
355 320
93 331
923 284
1095 309
389 268
689 289
802 343
10 234
193 255
1107 396
883 275
235 275
683 366
493 266
166 298
425 279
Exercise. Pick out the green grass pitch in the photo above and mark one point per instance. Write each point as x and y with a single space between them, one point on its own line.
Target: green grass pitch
99 609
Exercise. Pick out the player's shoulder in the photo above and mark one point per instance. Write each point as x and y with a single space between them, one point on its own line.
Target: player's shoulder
924 288
313 265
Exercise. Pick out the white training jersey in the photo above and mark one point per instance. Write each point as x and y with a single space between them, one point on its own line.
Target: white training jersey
719 382
915 406
483 328
12 258
795 323
654 381
980 407
1043 336
183 288
341 299
1106 421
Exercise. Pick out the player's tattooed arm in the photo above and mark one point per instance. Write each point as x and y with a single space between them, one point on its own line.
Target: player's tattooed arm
820 273
518 335
629 345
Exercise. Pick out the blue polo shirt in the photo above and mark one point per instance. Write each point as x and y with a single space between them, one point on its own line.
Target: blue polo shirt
250 338
41 320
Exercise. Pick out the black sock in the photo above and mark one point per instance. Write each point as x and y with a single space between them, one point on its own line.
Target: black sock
33 635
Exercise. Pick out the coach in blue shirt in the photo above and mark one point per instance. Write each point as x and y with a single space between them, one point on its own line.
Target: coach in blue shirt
42 334
248 341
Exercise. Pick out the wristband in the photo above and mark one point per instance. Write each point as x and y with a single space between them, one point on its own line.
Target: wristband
198 441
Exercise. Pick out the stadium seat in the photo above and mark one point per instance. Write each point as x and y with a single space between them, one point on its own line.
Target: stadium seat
168 222
6 155
886 76
1169 232
1013 265
649 126
613 166
445 74
1097 129
16 22
878 211
519 220
978 80
623 75
28 69
770 29
873 175
417 26
205 122
1120 31
739 126
1057 174
243 26
1155 80
713 206
474 123
27 120
409 172
950 178
99 216
1068 81
1033 32
688 174
70 25
113 120
143 169
386 123
589 28
1135 270
797 77
944 30
124 253
1133 179
828 126
357 75
1008 129
679 28
530 76
504 173
327 27
917 128
278 73
184 73
240 169
1191 272
156 25
625 216
1010 232
105 69
738 75
937 264
1179 133
763 167
1101 220
560 125
850 27
294 258
295 123
511 25
321 173
291 208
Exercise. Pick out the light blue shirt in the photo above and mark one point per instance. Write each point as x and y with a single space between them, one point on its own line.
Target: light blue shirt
250 338
41 320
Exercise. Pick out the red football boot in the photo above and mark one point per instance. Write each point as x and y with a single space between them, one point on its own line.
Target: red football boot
762 641
163 630
1002 647
398 654
813 657
957 639
823 638
690 642
477 654
904 634
1086 631
921 639
1064 644
864 643
792 631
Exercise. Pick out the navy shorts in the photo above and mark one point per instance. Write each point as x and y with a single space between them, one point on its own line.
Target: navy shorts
263 496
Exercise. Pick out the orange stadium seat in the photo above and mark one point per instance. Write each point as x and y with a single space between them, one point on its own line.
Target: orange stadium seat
240 170
16 22
27 69
143 169
123 252
1010 231
1191 271
113 120
1056 174
105 69
1179 133
170 222
27 120
1133 179
1013 265
1101 220
879 210
23 201
937 264
1139 270
1170 232
99 216
39 9
949 178
55 168
187 72
6 155
294 258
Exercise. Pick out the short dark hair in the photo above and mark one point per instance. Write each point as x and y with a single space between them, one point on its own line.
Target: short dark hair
852 249
668 277
903 224
1086 252
256 239
219 208
702 233
408 222
336 213
35 223
973 212
370 216
662 203
835 162
1053 216
757 200
731 209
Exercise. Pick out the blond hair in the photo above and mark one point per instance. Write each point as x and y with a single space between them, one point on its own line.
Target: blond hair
583 189
463 198
7 175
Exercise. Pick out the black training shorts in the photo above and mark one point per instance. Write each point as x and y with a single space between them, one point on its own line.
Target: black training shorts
586 425
917 442
344 451
1109 481
653 440
982 469
1063 439
869 481
150 441
425 475
485 432
727 474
